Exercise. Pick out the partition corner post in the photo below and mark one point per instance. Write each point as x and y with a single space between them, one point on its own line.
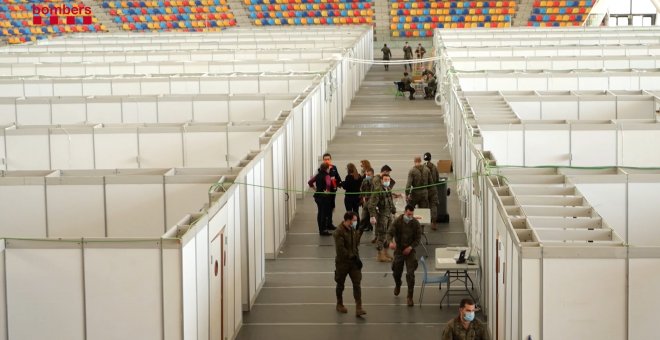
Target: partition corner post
84 288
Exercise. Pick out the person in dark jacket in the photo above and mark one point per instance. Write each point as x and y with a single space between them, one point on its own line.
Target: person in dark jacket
465 326
323 197
336 183
352 187
347 262
403 236
387 55
366 188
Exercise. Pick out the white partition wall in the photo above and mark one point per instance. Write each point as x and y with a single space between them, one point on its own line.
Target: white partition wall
146 198
557 163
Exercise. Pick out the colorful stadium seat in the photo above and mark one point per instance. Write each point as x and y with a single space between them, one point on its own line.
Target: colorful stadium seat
559 13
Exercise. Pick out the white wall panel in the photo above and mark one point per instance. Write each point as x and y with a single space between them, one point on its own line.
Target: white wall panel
644 276
123 285
205 149
161 150
45 286
240 144
172 293
643 217
634 148
539 152
506 146
526 110
597 109
26 216
609 201
33 112
135 210
211 111
175 111
593 147
76 211
189 282
202 242
183 198
3 301
246 110
7 111
531 298
66 111
27 151
71 150
559 110
104 112
597 285
116 150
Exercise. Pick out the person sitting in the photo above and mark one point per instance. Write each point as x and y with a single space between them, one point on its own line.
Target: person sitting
427 73
407 85
430 89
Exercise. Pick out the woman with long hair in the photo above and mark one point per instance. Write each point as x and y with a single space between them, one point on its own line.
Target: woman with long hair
352 187
323 186
364 165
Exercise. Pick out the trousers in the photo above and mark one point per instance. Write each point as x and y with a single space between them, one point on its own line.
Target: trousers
410 262
342 270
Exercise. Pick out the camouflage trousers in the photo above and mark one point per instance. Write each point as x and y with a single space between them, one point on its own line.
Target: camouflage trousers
383 222
410 261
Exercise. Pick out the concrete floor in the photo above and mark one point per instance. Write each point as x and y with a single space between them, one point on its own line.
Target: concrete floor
298 300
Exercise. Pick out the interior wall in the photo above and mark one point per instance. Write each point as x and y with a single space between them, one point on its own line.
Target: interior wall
3 292
644 280
642 217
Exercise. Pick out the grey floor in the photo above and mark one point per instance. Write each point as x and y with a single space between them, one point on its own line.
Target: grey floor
298 300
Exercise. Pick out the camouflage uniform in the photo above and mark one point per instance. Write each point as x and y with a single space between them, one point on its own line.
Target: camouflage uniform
347 241
455 331
433 190
366 187
381 206
377 182
405 234
418 176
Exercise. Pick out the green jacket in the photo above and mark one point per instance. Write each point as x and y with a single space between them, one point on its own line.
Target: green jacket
405 234
433 178
455 331
381 202
418 176
346 243
366 187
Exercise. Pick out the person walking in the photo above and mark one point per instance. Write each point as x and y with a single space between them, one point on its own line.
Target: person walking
418 185
365 192
403 237
347 262
407 55
387 55
434 178
465 326
381 212
323 196
352 185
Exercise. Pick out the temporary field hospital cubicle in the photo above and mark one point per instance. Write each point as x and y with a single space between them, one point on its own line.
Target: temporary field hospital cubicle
558 246
208 267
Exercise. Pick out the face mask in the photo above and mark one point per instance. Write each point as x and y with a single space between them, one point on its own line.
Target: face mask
469 316
354 224
386 184
407 218
367 177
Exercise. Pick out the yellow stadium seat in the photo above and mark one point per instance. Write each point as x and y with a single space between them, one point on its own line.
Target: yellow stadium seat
415 33
406 26
459 4
278 22
562 4
427 26
395 33
498 4
317 21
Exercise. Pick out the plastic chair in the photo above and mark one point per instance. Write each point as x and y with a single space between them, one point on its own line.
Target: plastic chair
399 89
426 279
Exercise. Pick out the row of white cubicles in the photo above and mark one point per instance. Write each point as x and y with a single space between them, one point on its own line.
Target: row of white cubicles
141 200
556 134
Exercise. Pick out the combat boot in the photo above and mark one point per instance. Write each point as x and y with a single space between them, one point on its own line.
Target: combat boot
358 308
434 226
410 299
387 254
397 290
381 256
340 306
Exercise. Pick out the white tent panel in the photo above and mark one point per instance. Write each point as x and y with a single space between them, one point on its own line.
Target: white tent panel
123 285
205 149
608 199
68 111
644 281
211 111
213 85
634 148
137 111
154 86
531 296
240 144
539 152
3 300
526 110
108 112
564 110
506 145
119 150
203 268
184 85
189 284
75 210
161 150
174 110
184 198
57 306
7 111
172 292
135 210
586 319
593 147
597 109
34 112
26 217
96 88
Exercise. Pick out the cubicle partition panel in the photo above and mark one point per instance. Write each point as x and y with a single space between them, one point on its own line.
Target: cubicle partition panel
3 293
155 84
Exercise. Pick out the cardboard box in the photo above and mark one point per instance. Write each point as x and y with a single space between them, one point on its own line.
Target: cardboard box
444 166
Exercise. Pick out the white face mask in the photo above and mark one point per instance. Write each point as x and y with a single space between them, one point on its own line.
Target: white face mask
354 224
386 184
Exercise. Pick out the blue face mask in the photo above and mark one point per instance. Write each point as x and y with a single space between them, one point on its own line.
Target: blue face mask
354 224
469 316
386 184
406 218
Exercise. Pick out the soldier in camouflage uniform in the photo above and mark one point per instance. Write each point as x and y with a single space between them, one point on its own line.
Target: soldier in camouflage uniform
465 326
381 210
403 236
418 176
366 188
433 190
347 261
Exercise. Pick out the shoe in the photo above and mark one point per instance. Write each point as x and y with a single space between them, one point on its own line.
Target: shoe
397 290
410 301
412 98
374 240
358 309
434 226
381 257
340 308
325 233
387 254
331 227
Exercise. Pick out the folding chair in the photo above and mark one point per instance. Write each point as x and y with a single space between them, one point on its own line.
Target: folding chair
430 279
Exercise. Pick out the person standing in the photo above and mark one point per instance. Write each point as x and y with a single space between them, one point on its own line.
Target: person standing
418 185
407 55
352 186
365 192
381 211
322 184
434 178
420 51
364 165
404 236
387 55
347 262
465 326
407 85
336 183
